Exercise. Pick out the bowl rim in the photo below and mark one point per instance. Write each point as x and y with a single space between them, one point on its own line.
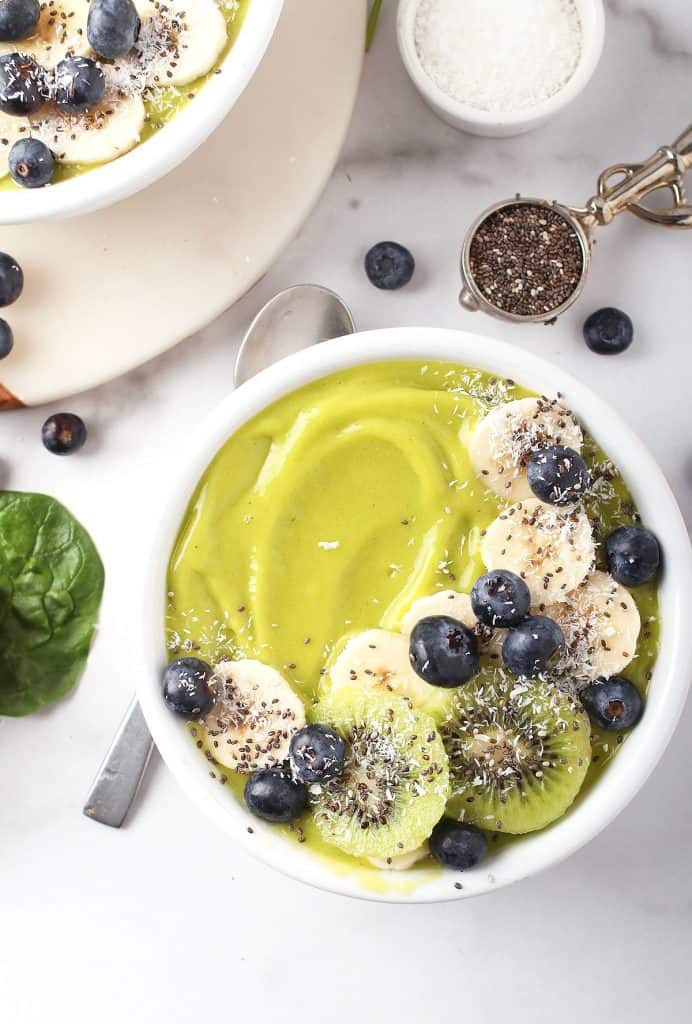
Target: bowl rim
593 38
668 688
111 182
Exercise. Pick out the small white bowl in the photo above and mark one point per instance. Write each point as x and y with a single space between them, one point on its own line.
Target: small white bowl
498 124
669 684
146 163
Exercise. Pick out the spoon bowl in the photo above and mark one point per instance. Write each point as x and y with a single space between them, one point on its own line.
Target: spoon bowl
295 318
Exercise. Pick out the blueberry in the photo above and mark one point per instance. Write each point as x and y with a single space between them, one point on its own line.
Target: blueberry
457 846
614 704
186 688
558 475
79 84
112 27
18 19
23 88
443 651
11 279
63 433
6 339
31 163
633 555
273 795
317 754
529 646
500 598
608 331
389 265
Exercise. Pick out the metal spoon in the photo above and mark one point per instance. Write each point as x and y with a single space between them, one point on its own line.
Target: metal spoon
283 324
294 319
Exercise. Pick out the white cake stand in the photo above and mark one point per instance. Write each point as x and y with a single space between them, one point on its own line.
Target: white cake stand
106 292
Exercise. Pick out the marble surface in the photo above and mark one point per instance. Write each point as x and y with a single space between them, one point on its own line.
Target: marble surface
164 918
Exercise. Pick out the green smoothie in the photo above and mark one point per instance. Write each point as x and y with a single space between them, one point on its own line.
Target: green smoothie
336 508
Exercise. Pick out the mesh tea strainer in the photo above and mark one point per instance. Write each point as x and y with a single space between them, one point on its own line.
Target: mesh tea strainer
526 259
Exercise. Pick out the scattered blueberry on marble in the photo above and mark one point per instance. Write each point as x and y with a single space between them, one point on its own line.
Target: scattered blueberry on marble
389 265
6 339
614 704
31 163
456 845
317 754
633 555
63 433
500 598
558 475
112 27
186 689
272 794
443 651
23 88
79 84
11 279
608 331
528 647
18 19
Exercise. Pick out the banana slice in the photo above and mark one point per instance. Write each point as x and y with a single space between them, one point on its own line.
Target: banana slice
60 33
601 624
178 43
502 442
378 659
403 861
552 549
11 129
458 606
95 137
255 715
443 602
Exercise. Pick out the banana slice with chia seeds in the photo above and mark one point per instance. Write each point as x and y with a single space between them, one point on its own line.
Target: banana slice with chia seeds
402 861
254 717
178 43
60 33
551 548
379 659
457 606
600 622
11 129
503 441
97 136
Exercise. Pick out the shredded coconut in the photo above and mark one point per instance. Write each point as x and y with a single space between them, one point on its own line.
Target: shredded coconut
499 55
521 428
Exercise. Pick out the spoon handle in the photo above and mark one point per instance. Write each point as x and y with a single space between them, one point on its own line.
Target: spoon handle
120 775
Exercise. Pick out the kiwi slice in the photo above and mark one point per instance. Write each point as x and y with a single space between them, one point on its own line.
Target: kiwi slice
518 753
395 782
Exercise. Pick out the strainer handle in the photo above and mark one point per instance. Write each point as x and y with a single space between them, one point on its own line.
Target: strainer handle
683 147
663 169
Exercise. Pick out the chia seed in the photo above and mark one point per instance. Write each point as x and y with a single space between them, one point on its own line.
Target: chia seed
526 259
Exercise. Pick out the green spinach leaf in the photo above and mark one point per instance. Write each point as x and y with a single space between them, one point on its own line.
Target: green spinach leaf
51 582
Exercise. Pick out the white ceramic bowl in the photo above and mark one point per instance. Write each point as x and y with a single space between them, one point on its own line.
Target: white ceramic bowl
481 122
669 685
149 161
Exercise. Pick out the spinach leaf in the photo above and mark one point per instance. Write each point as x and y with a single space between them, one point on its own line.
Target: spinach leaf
51 582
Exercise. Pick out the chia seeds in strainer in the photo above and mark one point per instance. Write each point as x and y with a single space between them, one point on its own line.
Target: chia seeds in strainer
526 260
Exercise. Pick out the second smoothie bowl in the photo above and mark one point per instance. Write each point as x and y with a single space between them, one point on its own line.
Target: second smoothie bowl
407 633
100 98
